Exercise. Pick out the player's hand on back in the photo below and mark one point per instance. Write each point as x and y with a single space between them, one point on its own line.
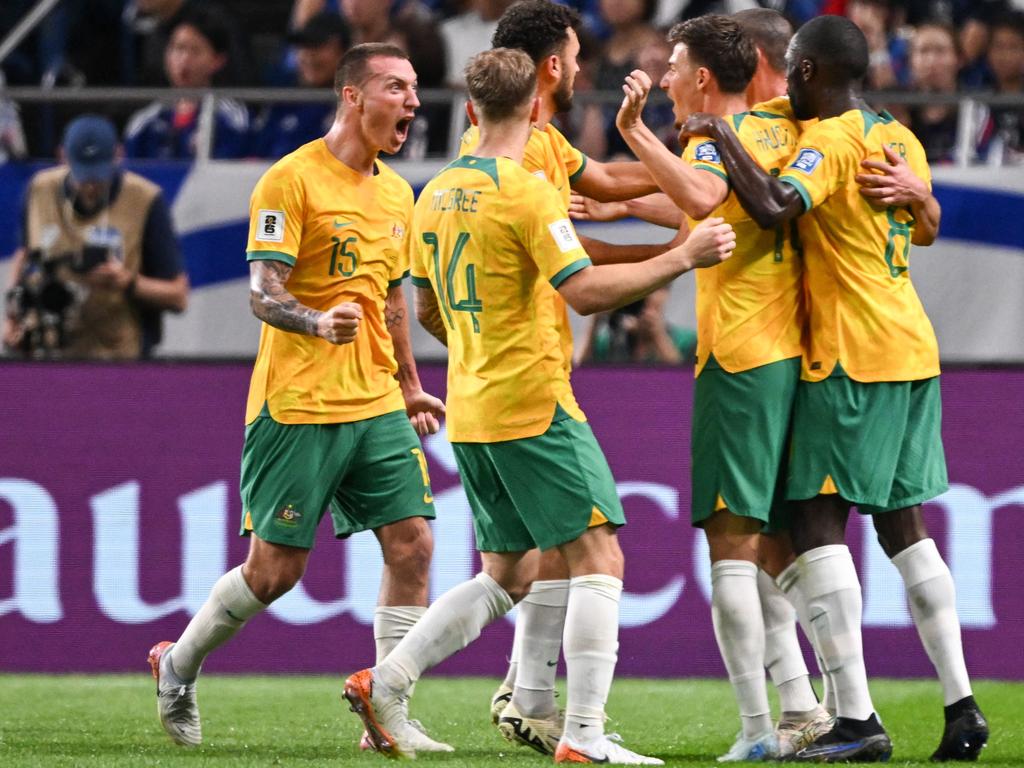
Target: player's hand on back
424 410
891 182
709 243
340 323
583 208
636 89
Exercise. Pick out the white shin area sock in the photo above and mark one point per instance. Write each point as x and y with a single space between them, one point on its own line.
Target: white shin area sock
739 631
391 623
782 654
789 582
449 625
591 649
828 581
932 598
540 622
231 603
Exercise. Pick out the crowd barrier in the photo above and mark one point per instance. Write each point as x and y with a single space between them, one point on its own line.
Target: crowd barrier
119 508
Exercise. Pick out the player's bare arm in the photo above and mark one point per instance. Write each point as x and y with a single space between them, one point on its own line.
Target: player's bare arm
696 192
609 182
656 208
767 200
424 410
272 303
429 314
894 183
603 288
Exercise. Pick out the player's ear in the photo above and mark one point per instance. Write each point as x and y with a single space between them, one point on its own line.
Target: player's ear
351 96
807 70
471 113
552 68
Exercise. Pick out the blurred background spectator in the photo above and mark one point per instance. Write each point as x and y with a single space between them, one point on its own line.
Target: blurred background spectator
281 128
1003 127
197 51
98 261
469 32
887 44
637 333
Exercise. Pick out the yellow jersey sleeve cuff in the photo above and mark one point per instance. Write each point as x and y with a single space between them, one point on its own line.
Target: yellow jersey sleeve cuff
287 258
579 171
801 190
398 280
566 272
420 282
711 169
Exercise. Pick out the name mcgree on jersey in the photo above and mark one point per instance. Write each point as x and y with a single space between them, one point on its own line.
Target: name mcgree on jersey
807 160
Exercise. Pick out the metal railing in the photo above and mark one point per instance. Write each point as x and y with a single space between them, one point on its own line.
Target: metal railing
970 105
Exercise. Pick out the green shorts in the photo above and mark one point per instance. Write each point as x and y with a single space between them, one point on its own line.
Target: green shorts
878 445
370 472
538 491
738 441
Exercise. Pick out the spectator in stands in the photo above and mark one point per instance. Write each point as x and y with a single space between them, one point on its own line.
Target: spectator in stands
198 49
632 35
638 333
469 32
98 261
887 46
148 25
933 69
1002 134
12 137
282 128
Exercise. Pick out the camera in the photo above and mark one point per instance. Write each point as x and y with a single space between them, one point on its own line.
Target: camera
40 303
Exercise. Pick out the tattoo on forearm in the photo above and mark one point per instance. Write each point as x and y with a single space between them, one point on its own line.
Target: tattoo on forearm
273 304
393 317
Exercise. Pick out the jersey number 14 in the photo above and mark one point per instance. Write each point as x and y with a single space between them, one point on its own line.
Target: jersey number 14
446 287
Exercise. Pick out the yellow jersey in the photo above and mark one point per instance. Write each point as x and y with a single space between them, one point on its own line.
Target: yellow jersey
750 308
345 237
485 235
864 312
549 156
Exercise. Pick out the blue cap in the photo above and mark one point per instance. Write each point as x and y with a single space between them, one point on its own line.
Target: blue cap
90 144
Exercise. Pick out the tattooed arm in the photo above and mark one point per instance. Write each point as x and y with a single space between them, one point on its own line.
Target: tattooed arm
273 304
424 410
429 315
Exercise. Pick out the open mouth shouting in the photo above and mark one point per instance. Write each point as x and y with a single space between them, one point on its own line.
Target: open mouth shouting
402 128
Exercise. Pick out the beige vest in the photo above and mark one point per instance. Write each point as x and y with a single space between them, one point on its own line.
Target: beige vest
105 326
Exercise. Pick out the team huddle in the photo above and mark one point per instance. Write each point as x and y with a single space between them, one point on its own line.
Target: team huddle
817 381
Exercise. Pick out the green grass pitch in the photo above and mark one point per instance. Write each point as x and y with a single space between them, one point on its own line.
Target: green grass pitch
299 721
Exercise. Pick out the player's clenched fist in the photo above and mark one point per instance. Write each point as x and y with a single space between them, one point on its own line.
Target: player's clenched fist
340 323
709 243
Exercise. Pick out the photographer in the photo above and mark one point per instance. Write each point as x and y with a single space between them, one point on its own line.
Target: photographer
98 261
637 333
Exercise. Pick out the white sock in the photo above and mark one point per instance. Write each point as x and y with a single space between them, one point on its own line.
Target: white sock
231 603
591 650
789 582
540 622
782 654
932 598
449 625
391 623
828 581
739 631
513 660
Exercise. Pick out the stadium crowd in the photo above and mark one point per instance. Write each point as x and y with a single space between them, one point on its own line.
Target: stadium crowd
935 46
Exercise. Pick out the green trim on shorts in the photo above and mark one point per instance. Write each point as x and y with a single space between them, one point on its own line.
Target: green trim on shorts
287 258
880 442
566 272
370 473
739 437
537 491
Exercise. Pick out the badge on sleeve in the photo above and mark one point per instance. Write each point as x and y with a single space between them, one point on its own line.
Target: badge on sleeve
270 226
807 160
564 234
707 152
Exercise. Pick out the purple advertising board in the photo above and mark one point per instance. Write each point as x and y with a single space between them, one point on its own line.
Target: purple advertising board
119 508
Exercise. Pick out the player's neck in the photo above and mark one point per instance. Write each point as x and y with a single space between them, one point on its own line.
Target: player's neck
503 140
547 111
725 103
348 147
834 102
767 84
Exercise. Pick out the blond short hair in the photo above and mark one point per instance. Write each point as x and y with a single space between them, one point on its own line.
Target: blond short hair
500 82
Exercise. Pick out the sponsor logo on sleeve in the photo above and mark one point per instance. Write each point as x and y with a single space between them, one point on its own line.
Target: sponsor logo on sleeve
270 226
807 160
707 152
565 235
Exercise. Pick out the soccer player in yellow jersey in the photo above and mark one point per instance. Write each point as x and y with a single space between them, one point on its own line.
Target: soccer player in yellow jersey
334 387
486 232
750 320
546 32
867 418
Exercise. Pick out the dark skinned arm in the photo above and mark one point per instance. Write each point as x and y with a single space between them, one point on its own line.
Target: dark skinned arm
766 200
